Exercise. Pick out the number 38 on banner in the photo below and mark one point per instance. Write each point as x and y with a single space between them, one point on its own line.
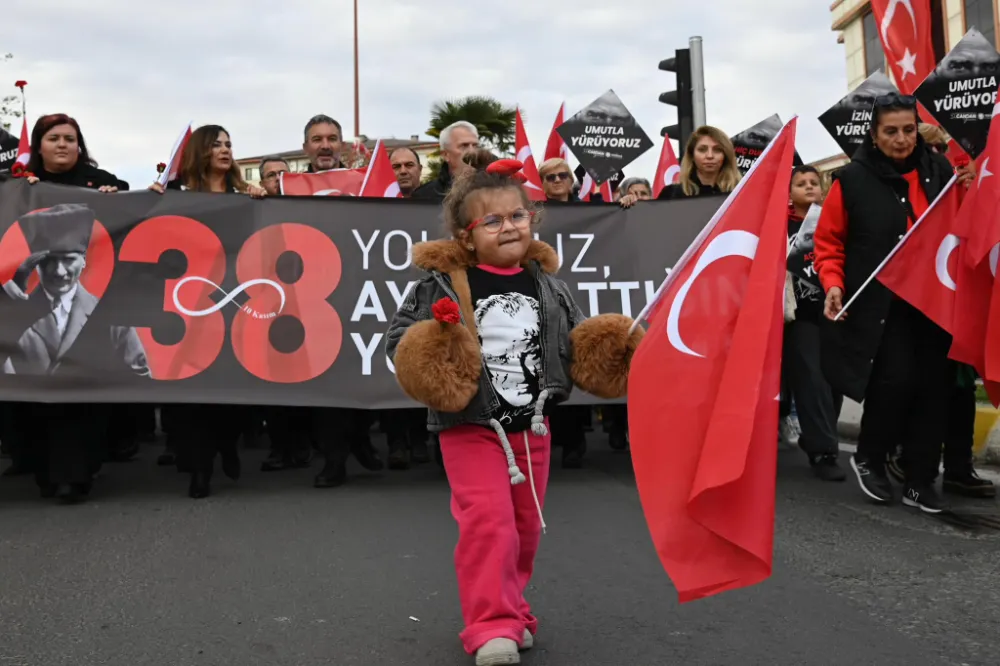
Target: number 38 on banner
189 296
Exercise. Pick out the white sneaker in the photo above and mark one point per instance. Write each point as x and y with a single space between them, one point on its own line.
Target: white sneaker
788 431
528 641
498 652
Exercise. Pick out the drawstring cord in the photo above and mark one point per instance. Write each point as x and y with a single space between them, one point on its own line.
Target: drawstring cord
538 420
534 493
516 476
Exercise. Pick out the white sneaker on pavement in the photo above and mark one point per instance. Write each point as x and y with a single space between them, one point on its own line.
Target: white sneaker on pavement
528 641
498 652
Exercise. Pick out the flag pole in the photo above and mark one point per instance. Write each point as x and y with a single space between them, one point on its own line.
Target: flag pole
357 105
891 254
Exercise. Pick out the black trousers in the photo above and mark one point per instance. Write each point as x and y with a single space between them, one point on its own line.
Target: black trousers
69 442
907 395
340 431
290 430
15 434
203 431
404 424
817 405
615 418
960 435
569 425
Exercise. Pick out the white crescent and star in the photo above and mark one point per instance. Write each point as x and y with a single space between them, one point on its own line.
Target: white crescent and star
735 243
907 65
948 245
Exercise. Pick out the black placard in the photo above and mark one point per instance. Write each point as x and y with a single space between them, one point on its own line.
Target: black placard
849 120
961 91
605 137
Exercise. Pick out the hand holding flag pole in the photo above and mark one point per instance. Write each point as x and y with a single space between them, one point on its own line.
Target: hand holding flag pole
902 241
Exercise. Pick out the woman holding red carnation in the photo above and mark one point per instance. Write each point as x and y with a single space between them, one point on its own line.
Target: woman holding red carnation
489 342
59 155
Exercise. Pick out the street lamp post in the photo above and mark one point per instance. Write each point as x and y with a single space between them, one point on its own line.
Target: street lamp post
357 104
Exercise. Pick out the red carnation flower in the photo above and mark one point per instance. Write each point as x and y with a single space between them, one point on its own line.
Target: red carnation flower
20 84
17 170
446 311
161 167
961 161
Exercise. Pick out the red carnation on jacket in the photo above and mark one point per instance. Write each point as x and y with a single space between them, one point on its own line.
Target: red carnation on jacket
446 311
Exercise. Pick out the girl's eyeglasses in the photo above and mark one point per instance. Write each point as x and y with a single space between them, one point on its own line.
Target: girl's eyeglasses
553 177
493 222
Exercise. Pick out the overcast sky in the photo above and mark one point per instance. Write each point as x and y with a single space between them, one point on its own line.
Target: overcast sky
134 77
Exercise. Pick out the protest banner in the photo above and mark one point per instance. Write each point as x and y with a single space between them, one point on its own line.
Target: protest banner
284 300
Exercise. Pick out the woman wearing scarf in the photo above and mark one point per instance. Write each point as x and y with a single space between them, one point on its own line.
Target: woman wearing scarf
883 351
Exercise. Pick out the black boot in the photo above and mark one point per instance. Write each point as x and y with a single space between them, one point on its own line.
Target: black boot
332 476
399 452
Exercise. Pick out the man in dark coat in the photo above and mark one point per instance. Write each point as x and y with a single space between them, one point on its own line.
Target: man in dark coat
457 140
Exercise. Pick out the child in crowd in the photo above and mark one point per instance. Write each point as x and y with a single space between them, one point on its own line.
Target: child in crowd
490 341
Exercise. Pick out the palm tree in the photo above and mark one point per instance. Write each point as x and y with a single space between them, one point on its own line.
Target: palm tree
495 122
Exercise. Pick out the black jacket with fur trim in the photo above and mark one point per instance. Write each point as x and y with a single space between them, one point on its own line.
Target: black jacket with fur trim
440 365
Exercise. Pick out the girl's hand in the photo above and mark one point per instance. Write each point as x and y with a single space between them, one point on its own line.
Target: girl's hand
256 192
32 180
628 200
156 187
107 189
834 303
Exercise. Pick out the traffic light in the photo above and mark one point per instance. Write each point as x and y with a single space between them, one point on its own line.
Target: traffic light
682 98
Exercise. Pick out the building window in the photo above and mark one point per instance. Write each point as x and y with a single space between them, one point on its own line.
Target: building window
248 174
874 55
979 15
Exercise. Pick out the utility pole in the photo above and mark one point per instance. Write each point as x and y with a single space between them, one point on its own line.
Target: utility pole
697 82
357 101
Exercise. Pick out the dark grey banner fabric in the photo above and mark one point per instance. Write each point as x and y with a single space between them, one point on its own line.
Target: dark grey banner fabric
189 297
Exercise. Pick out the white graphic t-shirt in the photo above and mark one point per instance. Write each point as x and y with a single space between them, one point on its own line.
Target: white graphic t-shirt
509 324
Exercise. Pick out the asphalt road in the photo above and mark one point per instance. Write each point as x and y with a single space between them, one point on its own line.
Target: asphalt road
272 572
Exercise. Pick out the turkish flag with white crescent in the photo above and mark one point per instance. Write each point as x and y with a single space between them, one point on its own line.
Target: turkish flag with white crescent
702 391
587 188
23 147
332 183
530 171
380 179
922 267
905 33
668 171
556 147
984 208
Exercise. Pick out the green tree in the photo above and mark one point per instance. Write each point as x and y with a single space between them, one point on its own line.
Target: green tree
9 107
496 124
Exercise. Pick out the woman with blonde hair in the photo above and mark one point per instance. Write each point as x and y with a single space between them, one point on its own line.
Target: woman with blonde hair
557 180
708 167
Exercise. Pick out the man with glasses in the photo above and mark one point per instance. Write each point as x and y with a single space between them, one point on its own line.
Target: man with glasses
271 169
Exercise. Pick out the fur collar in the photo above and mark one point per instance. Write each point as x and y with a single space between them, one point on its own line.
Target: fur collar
447 256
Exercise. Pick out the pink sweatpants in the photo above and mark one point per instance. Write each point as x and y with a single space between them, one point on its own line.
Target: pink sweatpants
498 529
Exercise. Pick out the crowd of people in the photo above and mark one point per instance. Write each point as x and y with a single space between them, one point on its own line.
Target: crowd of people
491 432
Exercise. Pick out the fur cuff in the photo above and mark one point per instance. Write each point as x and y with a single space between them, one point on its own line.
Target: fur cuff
439 365
602 354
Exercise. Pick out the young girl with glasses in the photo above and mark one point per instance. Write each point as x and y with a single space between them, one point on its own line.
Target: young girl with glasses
490 341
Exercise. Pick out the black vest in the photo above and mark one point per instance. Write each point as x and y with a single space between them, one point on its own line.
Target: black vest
876 205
